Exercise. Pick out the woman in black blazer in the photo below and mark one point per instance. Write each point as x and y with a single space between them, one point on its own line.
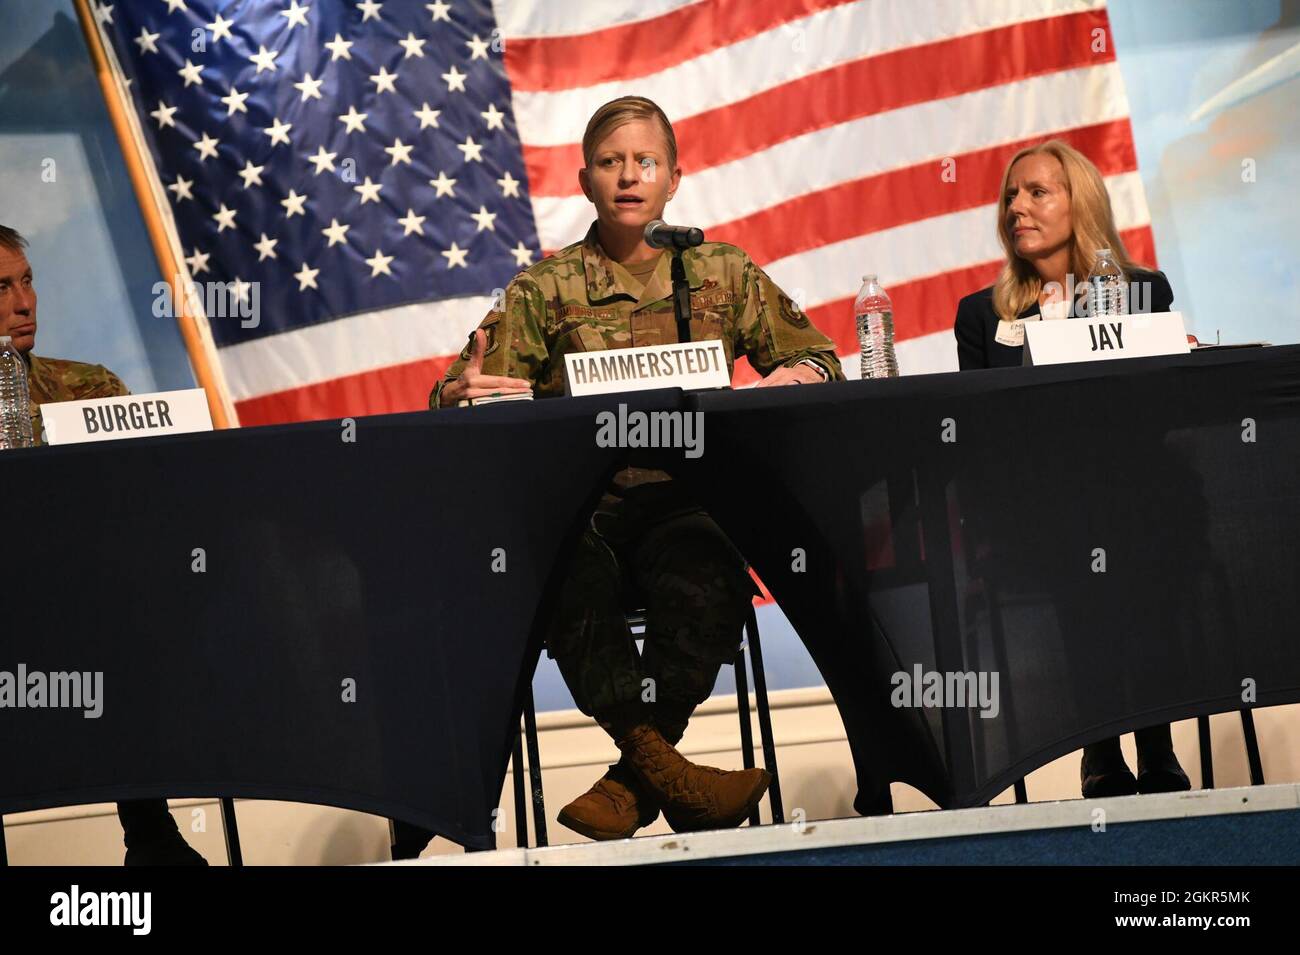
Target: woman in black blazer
977 326
1053 216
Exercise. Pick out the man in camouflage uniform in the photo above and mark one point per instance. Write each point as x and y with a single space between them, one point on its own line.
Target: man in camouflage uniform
648 545
149 831
58 379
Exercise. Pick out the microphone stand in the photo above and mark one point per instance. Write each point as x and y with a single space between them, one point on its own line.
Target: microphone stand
681 298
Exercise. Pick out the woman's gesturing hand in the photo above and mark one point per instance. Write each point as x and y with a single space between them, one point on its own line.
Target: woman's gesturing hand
474 384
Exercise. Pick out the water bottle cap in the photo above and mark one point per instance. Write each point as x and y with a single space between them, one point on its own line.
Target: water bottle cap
6 340
1103 251
869 278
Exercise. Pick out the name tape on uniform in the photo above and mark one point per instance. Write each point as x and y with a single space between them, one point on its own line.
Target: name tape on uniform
686 365
1130 336
126 416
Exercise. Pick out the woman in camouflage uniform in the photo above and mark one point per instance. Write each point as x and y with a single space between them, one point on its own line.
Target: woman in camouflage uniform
648 545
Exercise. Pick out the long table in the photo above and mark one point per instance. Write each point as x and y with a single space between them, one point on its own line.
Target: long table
282 613
1117 543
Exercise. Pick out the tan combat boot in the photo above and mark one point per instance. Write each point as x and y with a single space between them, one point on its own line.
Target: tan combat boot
692 797
619 804
614 808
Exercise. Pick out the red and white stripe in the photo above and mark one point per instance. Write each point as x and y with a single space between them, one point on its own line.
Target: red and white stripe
814 134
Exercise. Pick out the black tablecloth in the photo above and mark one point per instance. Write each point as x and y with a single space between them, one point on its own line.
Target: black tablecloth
949 521
960 522
326 561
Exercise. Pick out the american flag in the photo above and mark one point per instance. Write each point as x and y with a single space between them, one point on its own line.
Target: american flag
380 168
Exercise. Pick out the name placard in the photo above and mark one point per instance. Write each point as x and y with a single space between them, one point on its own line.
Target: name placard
127 416
1128 336
678 365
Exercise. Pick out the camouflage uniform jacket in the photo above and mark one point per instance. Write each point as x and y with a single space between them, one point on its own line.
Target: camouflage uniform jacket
581 300
58 379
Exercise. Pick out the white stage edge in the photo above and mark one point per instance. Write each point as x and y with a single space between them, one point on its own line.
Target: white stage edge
902 827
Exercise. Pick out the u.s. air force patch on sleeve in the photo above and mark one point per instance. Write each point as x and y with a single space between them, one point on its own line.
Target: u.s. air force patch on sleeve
790 312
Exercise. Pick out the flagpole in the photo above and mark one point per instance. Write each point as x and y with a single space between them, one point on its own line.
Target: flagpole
200 356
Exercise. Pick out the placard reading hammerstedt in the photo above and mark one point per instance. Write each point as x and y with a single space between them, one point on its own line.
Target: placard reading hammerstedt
126 416
685 365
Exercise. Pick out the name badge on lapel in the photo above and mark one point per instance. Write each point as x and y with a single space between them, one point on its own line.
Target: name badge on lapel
1011 334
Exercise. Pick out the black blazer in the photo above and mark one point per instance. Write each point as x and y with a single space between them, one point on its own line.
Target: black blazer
977 324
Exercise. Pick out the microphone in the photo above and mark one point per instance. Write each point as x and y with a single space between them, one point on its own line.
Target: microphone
661 236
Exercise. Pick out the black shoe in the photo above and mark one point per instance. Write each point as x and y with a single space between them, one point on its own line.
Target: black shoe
1158 768
1161 774
151 836
408 840
1103 772
1115 783
879 803
167 848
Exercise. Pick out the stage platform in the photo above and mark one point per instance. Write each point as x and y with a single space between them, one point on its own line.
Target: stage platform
1246 826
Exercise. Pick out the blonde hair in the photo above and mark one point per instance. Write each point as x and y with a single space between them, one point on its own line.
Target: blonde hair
620 112
1092 227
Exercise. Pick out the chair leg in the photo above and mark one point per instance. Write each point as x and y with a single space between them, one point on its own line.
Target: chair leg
1022 796
764 718
746 732
535 770
1207 755
1252 748
231 827
521 802
742 710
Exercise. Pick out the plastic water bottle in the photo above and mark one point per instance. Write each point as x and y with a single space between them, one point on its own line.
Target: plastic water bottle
1107 289
875 318
15 398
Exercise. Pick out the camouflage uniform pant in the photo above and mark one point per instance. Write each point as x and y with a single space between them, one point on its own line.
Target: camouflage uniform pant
650 552
692 584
